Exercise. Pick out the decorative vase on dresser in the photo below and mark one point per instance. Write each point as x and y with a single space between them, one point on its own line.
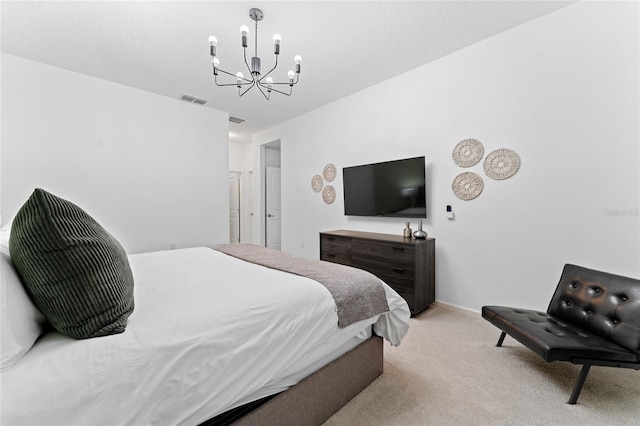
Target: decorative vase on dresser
406 265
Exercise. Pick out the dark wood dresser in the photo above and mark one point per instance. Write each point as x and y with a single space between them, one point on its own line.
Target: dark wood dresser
405 264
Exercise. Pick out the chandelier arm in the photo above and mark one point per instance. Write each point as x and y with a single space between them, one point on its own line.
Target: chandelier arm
235 76
227 84
230 84
259 86
274 67
247 89
282 84
279 91
226 72
223 84
253 78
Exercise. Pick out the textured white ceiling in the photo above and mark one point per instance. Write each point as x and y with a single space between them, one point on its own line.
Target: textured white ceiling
162 47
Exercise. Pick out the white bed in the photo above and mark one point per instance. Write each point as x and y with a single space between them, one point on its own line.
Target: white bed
209 332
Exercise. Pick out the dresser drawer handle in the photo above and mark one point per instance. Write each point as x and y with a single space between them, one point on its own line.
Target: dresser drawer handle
398 248
396 269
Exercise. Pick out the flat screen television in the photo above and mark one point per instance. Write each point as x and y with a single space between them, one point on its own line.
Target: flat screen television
388 189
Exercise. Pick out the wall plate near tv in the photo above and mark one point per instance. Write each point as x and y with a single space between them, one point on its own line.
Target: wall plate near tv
388 189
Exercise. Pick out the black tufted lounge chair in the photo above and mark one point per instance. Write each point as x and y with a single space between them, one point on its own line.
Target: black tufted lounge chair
593 319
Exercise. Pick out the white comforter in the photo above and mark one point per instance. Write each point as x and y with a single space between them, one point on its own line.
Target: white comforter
209 332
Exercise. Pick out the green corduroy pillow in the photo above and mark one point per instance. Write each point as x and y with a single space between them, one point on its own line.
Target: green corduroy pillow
76 273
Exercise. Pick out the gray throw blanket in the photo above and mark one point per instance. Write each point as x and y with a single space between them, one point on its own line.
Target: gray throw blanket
358 294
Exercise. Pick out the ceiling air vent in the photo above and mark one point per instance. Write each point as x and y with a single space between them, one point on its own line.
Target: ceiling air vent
193 99
236 120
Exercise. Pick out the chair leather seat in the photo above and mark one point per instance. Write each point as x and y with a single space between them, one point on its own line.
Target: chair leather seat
554 339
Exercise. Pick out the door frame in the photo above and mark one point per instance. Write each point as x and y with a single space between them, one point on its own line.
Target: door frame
275 229
237 176
265 161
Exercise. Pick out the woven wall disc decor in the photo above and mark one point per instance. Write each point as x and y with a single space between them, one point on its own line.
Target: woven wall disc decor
329 172
329 194
468 152
316 183
467 186
501 164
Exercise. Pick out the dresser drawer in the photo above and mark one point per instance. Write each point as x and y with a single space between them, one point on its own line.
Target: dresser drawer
407 295
384 253
335 257
335 249
338 245
394 277
394 267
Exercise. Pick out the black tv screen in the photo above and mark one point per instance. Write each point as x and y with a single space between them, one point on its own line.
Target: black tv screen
393 188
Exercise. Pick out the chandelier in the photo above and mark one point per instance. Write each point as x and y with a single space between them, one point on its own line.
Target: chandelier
255 78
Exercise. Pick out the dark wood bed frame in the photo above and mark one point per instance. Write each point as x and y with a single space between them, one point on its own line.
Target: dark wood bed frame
317 397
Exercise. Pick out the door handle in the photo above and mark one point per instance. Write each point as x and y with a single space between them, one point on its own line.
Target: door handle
269 215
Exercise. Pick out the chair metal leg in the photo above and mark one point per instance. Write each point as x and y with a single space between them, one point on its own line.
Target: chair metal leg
578 387
501 339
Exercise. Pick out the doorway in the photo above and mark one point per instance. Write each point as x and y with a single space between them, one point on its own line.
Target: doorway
271 196
234 207
273 208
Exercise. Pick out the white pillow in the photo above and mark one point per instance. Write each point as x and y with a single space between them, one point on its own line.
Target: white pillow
21 322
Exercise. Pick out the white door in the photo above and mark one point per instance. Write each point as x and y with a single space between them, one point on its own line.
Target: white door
247 207
273 219
234 207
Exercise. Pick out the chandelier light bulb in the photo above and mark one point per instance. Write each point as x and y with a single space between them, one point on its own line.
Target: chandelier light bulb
216 63
269 82
276 43
297 59
213 42
245 33
239 75
291 74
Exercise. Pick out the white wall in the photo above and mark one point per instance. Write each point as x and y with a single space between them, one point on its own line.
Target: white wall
152 170
239 157
562 91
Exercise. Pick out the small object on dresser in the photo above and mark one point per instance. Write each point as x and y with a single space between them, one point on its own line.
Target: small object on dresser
420 234
406 232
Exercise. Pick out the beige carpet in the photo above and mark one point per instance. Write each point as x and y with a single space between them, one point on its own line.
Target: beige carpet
448 371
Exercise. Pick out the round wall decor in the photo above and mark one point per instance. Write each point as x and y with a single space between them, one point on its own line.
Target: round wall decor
468 152
501 164
467 186
329 194
329 172
316 183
